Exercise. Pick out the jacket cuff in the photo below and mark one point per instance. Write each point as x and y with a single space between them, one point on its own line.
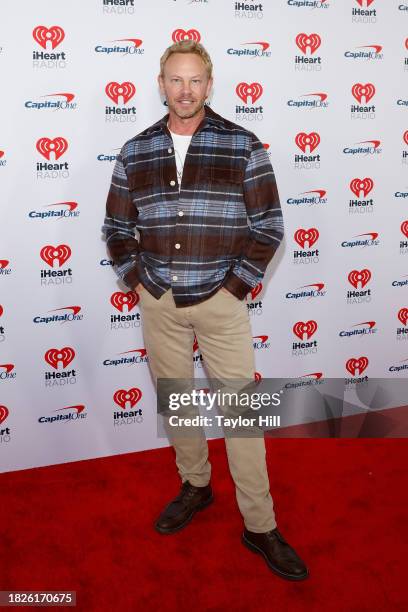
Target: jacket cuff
236 286
132 278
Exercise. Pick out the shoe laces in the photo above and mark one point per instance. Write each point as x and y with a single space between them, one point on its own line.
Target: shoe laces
188 490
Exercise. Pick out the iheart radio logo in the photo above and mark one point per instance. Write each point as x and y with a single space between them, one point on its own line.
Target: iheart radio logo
59 254
361 186
404 228
3 414
365 3
403 315
304 140
256 290
309 236
195 344
246 90
46 146
119 300
54 35
126 90
122 397
301 329
54 356
308 41
355 277
405 137
180 34
356 366
8 367
360 91
406 43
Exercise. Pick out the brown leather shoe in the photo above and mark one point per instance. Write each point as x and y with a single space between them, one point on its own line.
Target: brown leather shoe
179 512
280 557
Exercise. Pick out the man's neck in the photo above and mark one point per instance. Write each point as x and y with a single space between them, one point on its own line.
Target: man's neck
185 127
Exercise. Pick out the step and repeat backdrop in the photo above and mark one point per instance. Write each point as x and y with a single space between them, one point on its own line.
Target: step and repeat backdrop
323 84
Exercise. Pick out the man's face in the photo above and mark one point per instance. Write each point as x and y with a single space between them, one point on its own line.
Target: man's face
185 84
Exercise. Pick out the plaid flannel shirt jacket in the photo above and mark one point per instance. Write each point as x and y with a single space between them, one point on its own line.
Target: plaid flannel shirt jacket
221 228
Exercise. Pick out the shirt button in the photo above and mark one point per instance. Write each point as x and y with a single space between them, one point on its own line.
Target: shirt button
169 150
180 213
172 183
177 245
174 277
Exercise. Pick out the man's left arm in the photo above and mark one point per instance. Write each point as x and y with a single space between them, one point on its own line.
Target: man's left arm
265 219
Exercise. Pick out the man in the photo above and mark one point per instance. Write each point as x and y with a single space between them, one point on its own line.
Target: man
201 192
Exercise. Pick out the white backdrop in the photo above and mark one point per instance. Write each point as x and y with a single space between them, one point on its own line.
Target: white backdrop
323 75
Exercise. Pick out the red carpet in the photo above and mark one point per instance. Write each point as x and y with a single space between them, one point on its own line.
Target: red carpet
87 526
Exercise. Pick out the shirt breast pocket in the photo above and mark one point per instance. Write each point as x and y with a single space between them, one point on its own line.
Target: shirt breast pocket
142 193
225 186
225 208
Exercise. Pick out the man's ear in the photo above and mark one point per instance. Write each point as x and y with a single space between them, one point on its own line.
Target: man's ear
160 82
209 86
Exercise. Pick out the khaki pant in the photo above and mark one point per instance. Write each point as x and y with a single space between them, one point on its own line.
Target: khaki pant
221 325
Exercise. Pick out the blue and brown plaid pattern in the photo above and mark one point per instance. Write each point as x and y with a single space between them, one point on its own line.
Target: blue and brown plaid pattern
220 229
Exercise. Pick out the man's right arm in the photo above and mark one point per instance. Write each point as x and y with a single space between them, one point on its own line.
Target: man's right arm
119 227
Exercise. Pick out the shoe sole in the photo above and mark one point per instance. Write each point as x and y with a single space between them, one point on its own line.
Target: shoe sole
201 506
277 571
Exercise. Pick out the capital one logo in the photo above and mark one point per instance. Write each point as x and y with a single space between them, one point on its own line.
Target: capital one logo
301 329
55 255
53 35
365 3
55 356
403 316
123 397
308 41
249 90
361 277
3 414
4 263
356 366
122 300
180 34
46 146
360 91
361 186
125 90
309 236
304 140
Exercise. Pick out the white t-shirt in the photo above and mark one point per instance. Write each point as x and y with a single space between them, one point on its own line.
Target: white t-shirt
181 144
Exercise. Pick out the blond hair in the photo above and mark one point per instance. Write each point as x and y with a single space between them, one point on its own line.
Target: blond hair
187 46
